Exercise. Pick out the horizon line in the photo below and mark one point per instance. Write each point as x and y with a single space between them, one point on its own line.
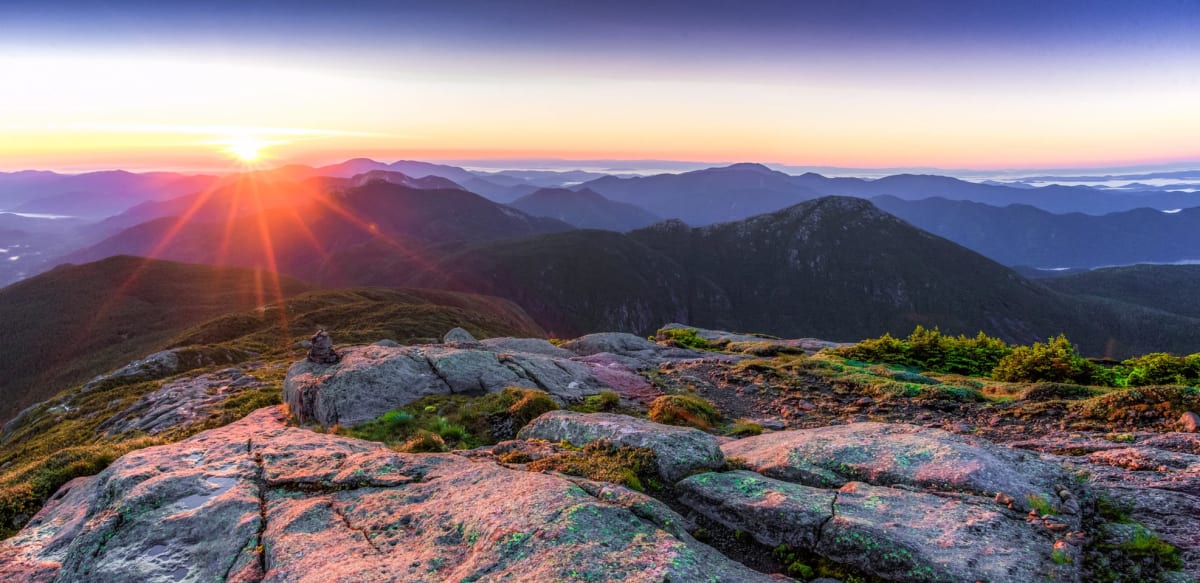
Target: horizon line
638 165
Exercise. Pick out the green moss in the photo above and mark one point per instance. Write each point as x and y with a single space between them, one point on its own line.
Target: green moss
605 401
1121 437
1111 511
793 565
686 410
460 421
601 460
1147 545
949 393
1055 392
762 348
1038 502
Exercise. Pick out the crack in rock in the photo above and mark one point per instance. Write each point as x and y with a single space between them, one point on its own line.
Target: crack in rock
438 373
333 505
821 527
260 482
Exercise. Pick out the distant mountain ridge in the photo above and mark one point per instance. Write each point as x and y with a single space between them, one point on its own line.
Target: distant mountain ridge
1024 235
298 240
584 208
707 196
734 192
93 194
836 268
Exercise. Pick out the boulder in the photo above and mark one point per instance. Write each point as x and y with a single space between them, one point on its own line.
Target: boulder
260 501
679 451
166 363
631 351
717 336
1189 422
1170 515
527 346
613 375
180 403
458 336
892 454
721 337
772 511
365 384
891 533
369 381
155 366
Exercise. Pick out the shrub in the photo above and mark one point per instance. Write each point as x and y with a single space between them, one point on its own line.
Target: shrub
1170 402
1159 368
931 350
684 338
686 410
744 429
1054 361
528 404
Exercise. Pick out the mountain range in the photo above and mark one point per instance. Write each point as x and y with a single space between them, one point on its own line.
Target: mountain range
93 194
1024 235
839 267
585 209
733 192
299 239
835 267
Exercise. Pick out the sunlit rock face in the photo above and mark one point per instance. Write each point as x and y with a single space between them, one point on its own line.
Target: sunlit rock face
260 501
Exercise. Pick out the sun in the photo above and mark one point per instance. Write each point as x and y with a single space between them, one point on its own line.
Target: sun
245 149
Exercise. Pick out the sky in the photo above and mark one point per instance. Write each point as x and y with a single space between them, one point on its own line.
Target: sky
91 84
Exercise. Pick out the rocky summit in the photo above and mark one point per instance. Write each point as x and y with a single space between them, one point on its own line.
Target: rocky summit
260 501
369 381
383 465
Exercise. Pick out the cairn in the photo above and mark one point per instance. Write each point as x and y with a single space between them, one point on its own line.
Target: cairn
322 351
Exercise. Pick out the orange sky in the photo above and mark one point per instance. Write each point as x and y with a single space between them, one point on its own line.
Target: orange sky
125 110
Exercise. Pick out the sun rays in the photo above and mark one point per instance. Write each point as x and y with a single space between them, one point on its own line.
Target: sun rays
251 217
